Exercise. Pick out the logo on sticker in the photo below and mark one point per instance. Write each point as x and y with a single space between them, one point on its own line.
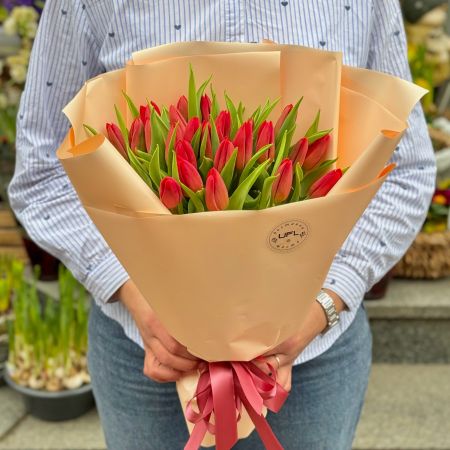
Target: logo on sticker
288 235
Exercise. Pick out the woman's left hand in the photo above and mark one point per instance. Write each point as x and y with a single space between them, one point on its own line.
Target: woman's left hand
283 356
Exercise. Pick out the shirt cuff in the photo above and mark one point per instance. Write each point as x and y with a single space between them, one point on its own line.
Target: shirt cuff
347 283
105 279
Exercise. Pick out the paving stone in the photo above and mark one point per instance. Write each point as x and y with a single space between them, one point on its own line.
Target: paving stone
12 410
84 433
407 408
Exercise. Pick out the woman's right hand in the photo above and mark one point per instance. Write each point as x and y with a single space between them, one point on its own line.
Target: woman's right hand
165 358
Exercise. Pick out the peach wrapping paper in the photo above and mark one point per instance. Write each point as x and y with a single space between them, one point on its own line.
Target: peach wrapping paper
216 279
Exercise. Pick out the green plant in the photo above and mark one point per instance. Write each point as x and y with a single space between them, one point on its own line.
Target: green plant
48 340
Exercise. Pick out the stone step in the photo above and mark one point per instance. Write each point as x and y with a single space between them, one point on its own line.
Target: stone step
407 408
412 323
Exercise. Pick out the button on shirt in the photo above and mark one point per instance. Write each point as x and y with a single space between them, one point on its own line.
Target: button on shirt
78 39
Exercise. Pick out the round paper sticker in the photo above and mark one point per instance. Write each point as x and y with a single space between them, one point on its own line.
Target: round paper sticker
288 235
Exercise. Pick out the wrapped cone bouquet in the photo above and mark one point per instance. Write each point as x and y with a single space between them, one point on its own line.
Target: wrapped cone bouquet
225 177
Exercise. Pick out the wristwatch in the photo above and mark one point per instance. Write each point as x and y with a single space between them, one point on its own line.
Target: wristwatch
327 303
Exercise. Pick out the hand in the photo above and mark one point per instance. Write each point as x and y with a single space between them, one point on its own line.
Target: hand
165 358
283 356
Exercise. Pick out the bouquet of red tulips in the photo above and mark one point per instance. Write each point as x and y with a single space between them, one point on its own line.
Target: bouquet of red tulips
200 158
227 210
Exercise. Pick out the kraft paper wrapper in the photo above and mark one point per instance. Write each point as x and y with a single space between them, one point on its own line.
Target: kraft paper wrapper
214 279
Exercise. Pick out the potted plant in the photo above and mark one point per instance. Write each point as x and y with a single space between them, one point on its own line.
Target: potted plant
47 350
11 274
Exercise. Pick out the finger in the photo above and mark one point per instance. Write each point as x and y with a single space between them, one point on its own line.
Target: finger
274 360
172 345
171 360
155 370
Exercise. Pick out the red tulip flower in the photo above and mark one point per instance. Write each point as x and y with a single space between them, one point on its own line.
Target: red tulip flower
144 113
216 193
170 192
223 154
178 137
191 127
182 107
299 151
207 129
265 137
323 185
316 152
136 135
287 109
189 175
205 107
156 108
176 117
116 138
244 143
183 150
281 187
223 125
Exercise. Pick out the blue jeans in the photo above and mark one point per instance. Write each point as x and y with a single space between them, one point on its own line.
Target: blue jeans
321 412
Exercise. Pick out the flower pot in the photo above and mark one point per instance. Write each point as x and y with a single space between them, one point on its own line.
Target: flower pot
55 406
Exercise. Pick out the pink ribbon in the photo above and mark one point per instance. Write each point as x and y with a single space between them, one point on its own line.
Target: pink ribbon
222 390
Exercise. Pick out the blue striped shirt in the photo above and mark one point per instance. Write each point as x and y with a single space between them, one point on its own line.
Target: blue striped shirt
78 39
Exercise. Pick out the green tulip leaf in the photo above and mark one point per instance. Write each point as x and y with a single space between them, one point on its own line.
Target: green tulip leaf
138 168
240 194
240 112
144 155
89 130
196 141
281 150
235 124
314 126
131 105
289 122
201 91
252 161
205 167
215 108
159 134
194 197
252 203
320 134
174 165
227 172
155 168
193 106
266 193
265 113
122 124
298 176
214 138
171 147
202 150
165 117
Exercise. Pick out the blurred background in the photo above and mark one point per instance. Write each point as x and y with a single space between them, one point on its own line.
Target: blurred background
45 395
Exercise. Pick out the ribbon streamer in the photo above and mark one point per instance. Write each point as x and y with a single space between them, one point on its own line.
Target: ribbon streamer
221 391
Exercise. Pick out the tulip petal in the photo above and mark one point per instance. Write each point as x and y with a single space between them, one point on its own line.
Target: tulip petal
314 175
227 172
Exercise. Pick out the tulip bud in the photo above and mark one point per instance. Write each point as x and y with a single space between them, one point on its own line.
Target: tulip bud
170 192
182 106
144 113
175 116
323 185
287 109
216 193
299 151
191 127
148 134
281 187
189 175
156 108
223 154
116 138
244 143
207 129
183 150
223 124
316 152
136 135
265 137
205 107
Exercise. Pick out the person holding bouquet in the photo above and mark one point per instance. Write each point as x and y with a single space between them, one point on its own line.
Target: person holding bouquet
133 359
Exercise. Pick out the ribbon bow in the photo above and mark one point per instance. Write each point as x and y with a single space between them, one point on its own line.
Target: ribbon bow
222 389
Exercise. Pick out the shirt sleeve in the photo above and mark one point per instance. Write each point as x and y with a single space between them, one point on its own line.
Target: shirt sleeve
65 54
394 217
